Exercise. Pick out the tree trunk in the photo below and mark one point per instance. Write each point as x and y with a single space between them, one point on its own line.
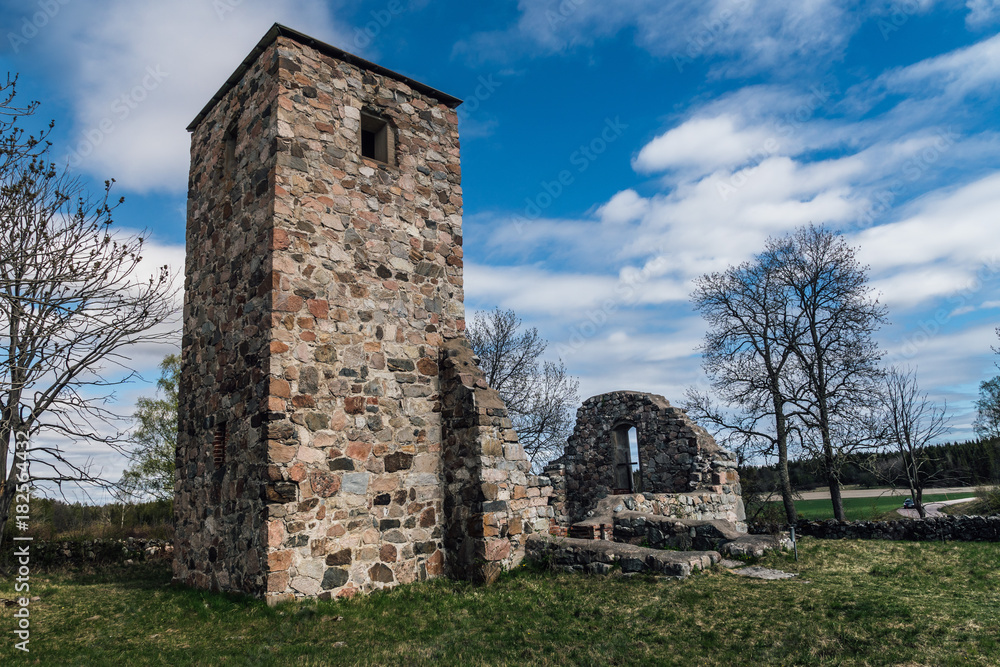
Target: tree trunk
7 492
791 514
836 499
833 481
918 500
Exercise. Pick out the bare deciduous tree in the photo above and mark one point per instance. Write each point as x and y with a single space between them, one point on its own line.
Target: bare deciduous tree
541 398
71 305
835 353
908 422
746 356
789 349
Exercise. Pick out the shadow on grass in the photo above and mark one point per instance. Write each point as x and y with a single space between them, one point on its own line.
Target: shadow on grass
151 576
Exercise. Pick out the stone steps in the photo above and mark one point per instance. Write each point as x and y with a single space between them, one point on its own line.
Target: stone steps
600 556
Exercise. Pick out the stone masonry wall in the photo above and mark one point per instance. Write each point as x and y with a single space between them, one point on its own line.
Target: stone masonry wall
708 505
492 502
367 284
220 531
559 521
675 454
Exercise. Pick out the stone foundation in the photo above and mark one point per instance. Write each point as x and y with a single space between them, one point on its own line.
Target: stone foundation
694 506
601 557
492 502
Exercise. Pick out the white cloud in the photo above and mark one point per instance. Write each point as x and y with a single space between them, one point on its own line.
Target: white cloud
626 206
137 73
883 164
982 13
958 227
528 289
706 144
955 74
757 34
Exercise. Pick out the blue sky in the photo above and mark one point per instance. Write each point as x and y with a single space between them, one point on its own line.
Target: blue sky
612 152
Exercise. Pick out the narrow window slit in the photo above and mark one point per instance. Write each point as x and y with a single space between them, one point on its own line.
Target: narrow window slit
229 161
219 446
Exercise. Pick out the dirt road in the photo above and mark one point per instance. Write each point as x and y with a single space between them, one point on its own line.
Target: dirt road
876 493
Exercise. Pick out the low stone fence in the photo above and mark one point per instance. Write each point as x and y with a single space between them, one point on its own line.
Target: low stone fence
956 528
97 552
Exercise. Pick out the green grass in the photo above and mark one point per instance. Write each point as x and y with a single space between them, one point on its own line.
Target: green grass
857 509
854 603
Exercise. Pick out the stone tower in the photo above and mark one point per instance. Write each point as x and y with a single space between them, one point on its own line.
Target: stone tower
336 434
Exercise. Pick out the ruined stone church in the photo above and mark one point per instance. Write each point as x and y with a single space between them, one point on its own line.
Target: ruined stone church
336 434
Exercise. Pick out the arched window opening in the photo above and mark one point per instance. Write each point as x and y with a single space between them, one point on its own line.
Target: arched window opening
628 478
633 445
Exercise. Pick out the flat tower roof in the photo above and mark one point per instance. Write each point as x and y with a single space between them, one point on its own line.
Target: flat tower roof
278 30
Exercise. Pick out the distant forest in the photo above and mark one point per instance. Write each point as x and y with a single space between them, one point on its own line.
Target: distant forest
953 464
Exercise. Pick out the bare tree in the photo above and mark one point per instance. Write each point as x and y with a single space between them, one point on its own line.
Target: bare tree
746 355
71 305
834 351
541 398
908 422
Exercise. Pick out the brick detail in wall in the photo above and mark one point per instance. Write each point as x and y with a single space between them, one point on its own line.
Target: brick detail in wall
219 446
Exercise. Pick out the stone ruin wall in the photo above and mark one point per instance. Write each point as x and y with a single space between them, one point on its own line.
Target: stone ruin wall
684 473
492 501
322 287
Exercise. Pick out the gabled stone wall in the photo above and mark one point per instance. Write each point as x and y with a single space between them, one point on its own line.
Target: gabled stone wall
676 456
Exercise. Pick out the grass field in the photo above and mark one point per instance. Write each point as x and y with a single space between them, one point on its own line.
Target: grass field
858 509
854 603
